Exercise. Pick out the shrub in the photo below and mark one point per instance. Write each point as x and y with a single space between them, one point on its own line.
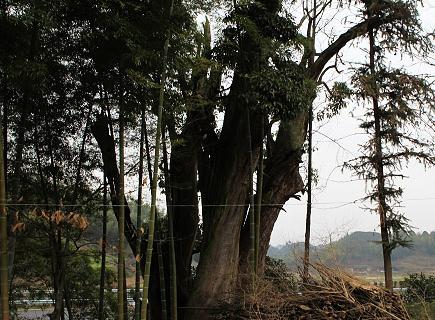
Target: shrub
419 287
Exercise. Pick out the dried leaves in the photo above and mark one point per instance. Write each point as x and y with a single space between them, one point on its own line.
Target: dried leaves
58 217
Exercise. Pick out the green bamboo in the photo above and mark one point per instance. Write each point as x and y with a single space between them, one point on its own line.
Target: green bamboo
251 213
260 171
4 284
161 276
103 253
172 264
121 219
139 218
160 260
151 221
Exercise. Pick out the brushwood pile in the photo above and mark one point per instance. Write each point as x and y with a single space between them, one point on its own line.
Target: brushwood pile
327 293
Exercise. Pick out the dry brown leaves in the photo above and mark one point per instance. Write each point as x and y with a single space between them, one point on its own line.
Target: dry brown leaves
59 217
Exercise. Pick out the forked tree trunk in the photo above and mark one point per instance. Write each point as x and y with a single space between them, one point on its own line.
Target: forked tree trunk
281 181
223 210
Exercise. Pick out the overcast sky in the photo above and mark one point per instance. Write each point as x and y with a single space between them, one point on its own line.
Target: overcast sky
334 211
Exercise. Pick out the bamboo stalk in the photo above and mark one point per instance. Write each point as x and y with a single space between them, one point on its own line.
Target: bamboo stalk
139 218
151 221
103 254
4 284
160 260
172 264
251 213
121 220
161 276
260 172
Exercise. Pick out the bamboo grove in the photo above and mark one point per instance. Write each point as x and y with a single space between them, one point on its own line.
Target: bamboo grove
160 140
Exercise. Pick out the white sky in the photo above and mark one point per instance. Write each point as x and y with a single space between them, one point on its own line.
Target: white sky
333 212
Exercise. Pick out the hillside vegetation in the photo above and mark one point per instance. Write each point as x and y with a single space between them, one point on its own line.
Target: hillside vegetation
361 253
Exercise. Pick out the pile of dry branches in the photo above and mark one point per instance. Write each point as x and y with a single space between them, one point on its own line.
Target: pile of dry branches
328 294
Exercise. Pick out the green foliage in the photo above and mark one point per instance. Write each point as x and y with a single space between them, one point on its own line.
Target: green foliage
419 288
254 26
277 272
406 36
421 310
281 90
83 281
259 44
338 97
33 279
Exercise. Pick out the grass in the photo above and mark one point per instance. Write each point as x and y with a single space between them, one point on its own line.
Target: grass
422 311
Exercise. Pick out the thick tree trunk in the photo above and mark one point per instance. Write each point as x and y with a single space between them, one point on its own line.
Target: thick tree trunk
184 190
223 200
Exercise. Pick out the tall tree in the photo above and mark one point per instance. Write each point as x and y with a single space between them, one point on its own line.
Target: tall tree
399 105
311 35
380 176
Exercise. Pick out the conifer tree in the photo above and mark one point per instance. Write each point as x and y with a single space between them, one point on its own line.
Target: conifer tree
399 107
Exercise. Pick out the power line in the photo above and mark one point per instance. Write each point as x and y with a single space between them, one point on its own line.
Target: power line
339 203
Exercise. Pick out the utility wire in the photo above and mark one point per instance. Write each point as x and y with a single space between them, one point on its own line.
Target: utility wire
215 205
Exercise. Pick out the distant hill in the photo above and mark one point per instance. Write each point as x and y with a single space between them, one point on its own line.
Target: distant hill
361 252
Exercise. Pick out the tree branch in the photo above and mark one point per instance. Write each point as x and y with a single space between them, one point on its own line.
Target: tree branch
353 33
